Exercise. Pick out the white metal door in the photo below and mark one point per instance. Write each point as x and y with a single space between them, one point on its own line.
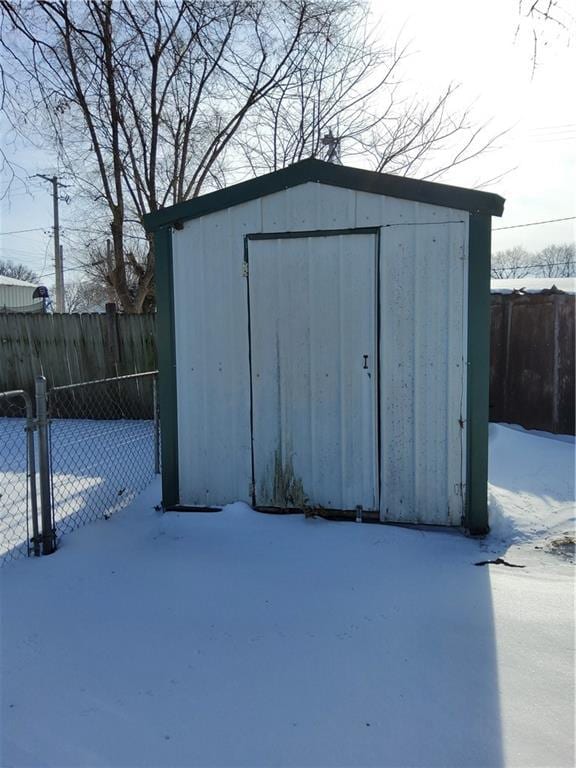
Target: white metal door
314 369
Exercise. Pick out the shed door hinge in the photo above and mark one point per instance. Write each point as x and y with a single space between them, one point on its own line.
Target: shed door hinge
244 269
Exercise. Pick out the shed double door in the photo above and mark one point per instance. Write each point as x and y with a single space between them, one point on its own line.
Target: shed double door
313 359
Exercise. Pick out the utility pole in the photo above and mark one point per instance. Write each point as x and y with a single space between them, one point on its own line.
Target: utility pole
58 260
60 271
110 267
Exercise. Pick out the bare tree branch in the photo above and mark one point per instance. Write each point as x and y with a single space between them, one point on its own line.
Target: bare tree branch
155 102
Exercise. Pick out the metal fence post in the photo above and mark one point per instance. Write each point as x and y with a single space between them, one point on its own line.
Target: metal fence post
48 534
156 425
30 429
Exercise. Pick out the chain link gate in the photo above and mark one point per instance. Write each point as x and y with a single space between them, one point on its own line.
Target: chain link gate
104 438
18 498
94 446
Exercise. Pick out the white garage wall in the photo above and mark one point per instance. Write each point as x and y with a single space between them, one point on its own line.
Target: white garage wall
423 272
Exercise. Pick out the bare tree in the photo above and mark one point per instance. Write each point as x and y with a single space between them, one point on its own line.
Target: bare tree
97 263
18 271
151 103
513 262
544 20
552 261
557 261
143 100
85 296
350 101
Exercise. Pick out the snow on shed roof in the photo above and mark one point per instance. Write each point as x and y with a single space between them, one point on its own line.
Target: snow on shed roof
5 280
321 172
533 284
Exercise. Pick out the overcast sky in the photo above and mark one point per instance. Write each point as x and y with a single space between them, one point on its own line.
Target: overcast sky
451 40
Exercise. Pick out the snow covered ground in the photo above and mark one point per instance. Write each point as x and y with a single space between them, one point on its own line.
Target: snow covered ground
99 467
14 530
533 284
241 639
531 491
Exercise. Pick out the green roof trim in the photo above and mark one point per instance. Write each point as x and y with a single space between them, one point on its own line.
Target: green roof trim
320 172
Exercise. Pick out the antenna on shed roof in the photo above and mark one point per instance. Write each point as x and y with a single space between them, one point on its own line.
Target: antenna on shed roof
333 148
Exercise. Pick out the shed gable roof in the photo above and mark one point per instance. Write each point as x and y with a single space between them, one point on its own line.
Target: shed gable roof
14 281
319 171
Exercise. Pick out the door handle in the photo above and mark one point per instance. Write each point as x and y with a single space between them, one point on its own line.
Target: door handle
365 361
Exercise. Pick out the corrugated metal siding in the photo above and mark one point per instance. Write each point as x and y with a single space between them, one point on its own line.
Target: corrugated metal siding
423 383
423 268
211 325
13 297
312 320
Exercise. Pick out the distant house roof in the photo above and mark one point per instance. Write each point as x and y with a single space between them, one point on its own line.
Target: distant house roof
318 171
4 280
533 284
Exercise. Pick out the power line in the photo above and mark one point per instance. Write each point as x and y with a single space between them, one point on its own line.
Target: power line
568 263
91 231
46 254
21 231
139 237
21 240
552 131
550 140
69 229
551 127
21 256
534 223
66 269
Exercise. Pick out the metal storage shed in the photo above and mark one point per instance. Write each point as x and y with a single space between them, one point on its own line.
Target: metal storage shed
323 337
19 296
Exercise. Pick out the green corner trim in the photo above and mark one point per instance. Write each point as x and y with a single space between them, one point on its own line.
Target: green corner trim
476 514
167 367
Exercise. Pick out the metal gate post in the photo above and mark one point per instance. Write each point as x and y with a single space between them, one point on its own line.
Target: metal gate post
48 533
30 429
156 424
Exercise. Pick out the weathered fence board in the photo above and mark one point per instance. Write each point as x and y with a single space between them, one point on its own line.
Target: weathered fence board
68 349
532 361
531 370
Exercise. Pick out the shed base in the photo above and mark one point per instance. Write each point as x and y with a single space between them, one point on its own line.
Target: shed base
341 515
364 516
190 508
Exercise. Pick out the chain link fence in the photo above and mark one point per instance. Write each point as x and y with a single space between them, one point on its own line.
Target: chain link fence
96 448
18 511
104 438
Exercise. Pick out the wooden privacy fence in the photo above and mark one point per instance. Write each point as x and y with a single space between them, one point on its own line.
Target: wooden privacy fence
532 361
531 371
68 349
